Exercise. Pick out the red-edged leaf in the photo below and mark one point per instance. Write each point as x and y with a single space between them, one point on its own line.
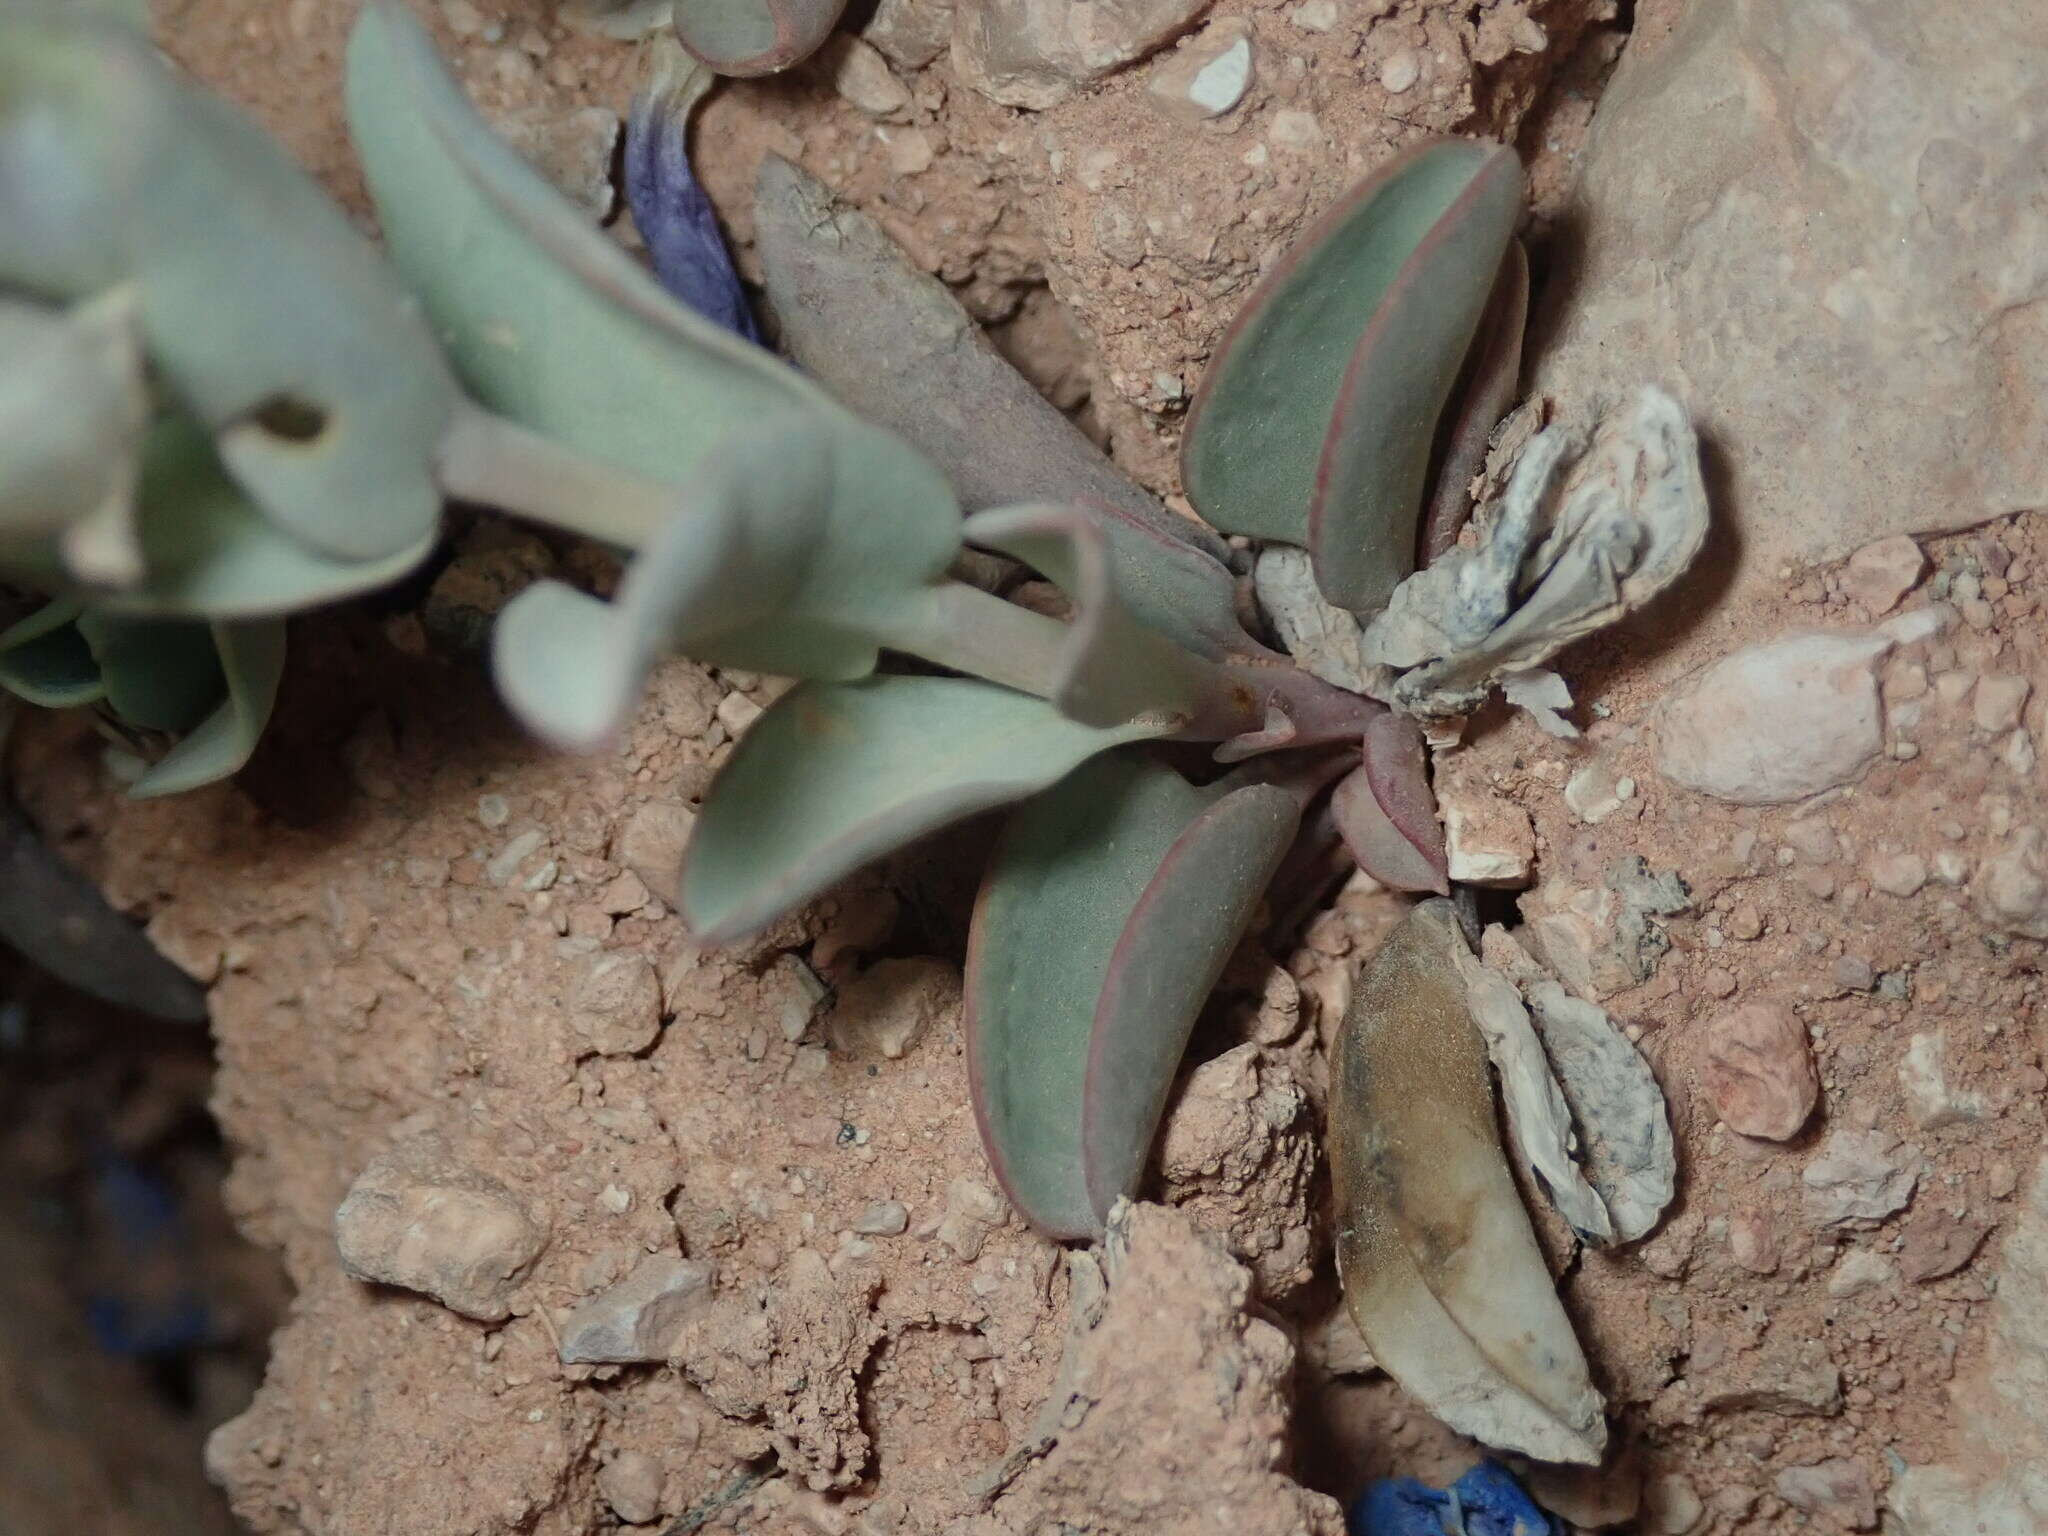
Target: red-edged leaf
754 37
835 775
1315 421
1387 813
1111 906
1483 397
1383 424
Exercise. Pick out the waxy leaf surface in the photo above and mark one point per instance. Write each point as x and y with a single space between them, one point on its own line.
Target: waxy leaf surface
834 776
1115 668
548 321
251 665
1114 900
265 313
797 551
1316 420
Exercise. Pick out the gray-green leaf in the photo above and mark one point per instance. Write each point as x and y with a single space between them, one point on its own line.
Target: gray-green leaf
265 313
799 550
1115 668
548 321
834 776
1114 900
754 37
251 664
1315 422
45 660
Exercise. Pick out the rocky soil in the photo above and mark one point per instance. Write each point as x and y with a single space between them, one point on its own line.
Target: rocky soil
591 1227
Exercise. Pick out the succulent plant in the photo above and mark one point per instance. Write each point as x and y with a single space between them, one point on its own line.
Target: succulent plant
250 447
220 406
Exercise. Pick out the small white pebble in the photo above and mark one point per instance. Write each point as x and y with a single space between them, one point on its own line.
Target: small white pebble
736 712
493 811
1400 72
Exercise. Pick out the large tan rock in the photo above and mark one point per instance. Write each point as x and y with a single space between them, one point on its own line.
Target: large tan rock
1994 1480
1819 223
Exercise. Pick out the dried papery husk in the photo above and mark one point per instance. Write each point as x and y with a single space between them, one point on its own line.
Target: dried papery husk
1439 1263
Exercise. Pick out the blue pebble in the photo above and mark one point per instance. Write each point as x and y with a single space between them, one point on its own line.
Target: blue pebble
1486 1501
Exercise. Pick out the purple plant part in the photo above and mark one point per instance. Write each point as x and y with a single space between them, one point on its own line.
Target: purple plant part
670 208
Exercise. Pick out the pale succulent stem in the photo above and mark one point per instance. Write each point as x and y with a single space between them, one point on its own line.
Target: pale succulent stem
487 459
968 630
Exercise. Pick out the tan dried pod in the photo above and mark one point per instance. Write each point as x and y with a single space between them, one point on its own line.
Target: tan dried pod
1440 1266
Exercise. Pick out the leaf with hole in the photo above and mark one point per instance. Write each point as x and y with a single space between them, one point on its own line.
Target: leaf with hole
1440 1267
1141 884
266 315
833 776
1317 418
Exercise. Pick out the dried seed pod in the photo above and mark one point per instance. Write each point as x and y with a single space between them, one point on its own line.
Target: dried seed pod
1440 1266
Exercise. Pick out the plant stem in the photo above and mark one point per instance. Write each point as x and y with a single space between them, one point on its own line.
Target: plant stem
485 458
968 630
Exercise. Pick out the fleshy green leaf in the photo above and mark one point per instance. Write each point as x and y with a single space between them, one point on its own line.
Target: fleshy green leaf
209 552
45 660
1315 422
798 551
266 314
1483 395
548 321
57 918
161 674
1387 813
251 664
1112 904
1115 668
754 37
1440 1267
834 776
206 550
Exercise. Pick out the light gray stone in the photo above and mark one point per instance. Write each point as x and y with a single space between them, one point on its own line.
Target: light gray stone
615 1004
1860 1176
1032 53
1931 1099
638 1318
1818 220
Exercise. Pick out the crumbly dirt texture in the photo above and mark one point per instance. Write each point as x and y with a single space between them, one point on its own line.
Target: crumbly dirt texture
433 946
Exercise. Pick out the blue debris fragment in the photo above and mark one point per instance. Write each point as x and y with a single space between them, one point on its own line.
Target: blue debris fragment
1486 1501
160 1309
670 209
